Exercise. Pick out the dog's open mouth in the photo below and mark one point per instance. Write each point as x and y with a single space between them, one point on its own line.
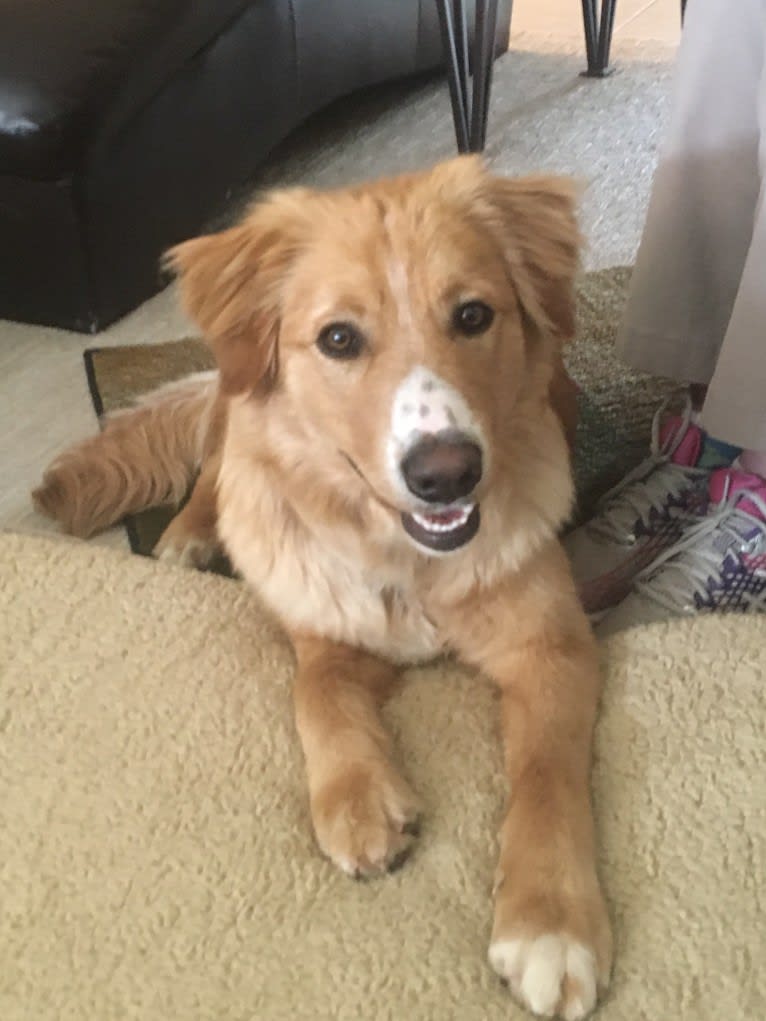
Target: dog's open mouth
443 530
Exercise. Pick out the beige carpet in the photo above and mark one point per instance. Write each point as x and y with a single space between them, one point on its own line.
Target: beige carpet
156 861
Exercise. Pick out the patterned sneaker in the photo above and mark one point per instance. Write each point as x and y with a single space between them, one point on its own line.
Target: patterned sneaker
646 512
718 564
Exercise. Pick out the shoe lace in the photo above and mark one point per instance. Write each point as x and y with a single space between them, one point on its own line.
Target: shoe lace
689 566
649 486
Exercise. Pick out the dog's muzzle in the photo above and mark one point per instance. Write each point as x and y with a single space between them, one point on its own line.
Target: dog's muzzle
435 454
443 469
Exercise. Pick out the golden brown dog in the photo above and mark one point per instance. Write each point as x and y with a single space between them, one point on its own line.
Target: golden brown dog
381 458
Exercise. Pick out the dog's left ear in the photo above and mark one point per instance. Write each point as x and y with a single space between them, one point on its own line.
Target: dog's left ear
535 219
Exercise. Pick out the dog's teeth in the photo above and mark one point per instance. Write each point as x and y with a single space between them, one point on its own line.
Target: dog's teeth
430 525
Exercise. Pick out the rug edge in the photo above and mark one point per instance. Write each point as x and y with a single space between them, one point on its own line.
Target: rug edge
98 406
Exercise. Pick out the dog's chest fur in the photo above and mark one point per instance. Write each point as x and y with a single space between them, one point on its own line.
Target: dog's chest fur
323 583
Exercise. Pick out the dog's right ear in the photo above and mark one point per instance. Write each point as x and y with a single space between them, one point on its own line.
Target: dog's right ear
231 285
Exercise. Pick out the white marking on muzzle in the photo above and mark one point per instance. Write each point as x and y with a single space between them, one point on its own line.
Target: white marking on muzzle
424 405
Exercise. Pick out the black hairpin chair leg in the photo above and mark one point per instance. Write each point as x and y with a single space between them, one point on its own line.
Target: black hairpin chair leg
469 95
469 69
599 28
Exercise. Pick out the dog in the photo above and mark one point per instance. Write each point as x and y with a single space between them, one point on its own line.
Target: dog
383 455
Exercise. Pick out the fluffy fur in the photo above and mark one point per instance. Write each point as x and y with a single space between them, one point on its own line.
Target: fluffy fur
293 479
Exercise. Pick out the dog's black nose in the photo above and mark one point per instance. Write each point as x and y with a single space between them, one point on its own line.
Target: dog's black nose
442 470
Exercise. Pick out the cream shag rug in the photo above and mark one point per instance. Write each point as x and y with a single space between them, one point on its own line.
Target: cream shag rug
156 859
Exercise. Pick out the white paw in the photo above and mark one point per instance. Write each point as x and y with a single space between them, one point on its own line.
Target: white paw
192 553
551 975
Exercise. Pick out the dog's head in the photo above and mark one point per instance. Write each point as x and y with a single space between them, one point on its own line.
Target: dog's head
406 328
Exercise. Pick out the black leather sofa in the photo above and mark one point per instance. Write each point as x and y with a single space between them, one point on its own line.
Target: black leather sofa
126 124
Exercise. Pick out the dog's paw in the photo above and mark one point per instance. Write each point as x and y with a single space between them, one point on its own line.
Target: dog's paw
552 948
186 551
365 820
552 975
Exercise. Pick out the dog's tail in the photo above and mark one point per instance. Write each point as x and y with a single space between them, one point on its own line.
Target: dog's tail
146 456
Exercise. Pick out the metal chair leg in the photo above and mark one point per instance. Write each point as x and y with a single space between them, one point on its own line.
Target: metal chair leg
456 63
470 100
483 52
599 28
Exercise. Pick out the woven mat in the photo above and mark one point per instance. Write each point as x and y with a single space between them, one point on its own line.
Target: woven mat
616 403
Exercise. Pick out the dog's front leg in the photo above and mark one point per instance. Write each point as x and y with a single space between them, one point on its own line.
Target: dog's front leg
191 538
364 812
551 936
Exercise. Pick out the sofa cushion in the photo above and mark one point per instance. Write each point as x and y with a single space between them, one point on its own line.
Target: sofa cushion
65 63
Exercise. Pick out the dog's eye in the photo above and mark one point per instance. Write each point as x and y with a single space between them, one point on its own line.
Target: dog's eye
472 317
340 340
